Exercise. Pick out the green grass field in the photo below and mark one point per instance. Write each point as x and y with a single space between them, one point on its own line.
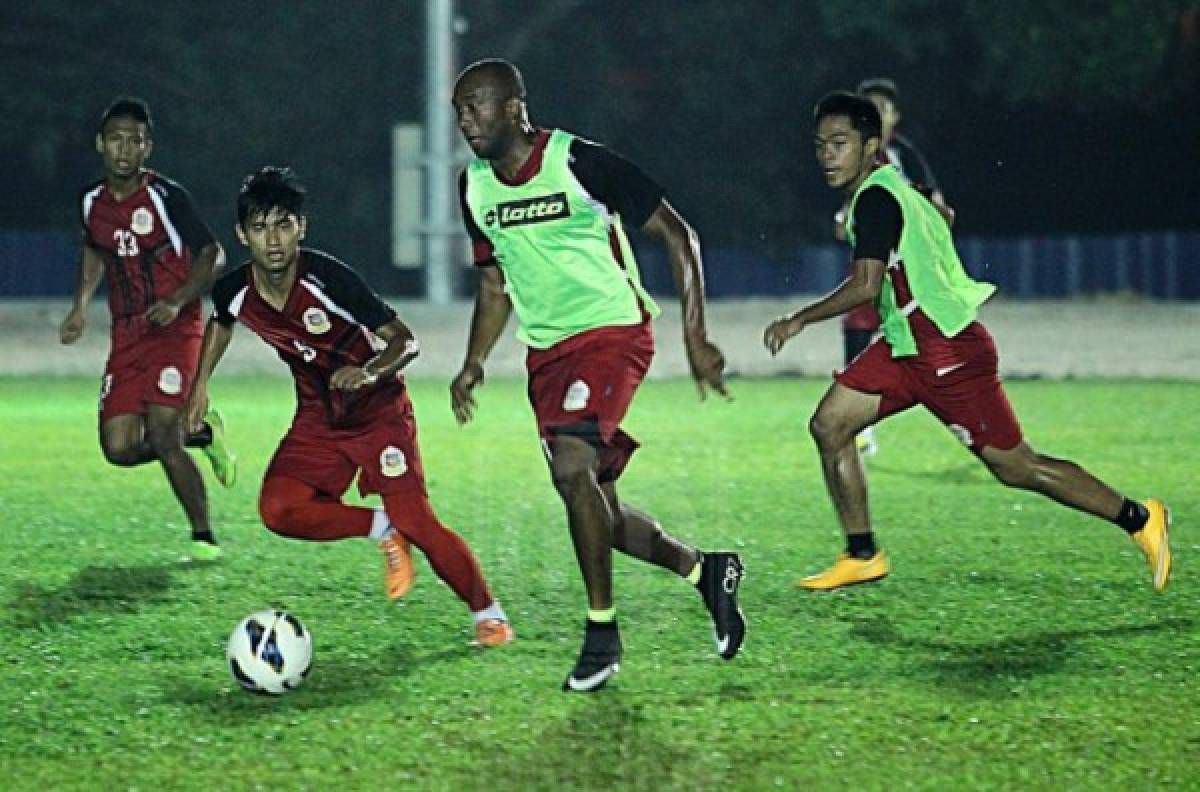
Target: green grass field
1016 644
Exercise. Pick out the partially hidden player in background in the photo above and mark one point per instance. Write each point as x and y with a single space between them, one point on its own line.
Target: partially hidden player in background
546 212
142 233
860 323
345 348
933 352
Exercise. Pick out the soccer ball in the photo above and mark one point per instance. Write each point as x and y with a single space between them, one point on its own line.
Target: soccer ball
269 651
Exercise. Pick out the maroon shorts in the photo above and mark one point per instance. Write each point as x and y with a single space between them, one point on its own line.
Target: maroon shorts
382 452
583 386
156 369
963 391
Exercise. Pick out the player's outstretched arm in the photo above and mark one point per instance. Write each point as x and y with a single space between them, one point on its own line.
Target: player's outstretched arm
402 348
198 281
492 308
863 285
683 251
91 270
216 341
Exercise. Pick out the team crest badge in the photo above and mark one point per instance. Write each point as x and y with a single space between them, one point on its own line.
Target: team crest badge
577 396
392 462
316 321
170 381
142 222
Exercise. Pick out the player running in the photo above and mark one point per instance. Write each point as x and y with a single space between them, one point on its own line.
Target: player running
546 212
141 231
933 352
345 348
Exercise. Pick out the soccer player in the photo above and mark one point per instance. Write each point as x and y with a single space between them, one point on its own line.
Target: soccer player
860 323
141 231
345 348
933 352
547 213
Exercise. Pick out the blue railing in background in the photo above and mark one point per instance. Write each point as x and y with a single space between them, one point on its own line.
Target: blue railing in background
1163 265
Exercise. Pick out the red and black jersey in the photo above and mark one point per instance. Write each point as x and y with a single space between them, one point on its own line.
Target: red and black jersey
326 323
148 242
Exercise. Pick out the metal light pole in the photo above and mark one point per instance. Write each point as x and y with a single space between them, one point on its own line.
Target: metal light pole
440 229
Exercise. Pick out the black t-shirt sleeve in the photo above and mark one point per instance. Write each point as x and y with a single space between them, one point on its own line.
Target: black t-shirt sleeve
615 181
481 247
192 230
877 224
225 291
351 293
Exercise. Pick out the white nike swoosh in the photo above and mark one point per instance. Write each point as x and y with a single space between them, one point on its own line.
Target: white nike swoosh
587 683
944 370
722 645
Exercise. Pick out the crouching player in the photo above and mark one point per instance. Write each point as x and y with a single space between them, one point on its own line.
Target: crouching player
345 348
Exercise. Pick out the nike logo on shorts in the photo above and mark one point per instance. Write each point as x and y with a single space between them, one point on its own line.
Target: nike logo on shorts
944 370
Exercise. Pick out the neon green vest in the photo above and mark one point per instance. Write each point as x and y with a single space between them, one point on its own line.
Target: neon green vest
939 284
551 240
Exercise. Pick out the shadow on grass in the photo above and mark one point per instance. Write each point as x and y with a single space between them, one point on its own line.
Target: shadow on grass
607 743
991 668
971 473
93 589
334 681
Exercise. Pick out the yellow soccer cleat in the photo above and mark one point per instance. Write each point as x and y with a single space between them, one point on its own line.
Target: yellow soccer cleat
398 573
491 633
1154 542
848 571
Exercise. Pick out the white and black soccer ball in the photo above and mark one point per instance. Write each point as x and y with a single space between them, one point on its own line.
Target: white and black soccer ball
270 651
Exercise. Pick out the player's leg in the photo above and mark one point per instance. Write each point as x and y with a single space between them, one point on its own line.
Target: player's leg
715 575
855 341
300 499
842 413
411 513
1071 485
124 442
164 431
573 462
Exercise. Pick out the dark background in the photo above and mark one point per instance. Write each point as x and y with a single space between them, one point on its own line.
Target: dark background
1039 118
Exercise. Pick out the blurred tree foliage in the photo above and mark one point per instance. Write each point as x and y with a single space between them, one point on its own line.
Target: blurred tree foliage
714 98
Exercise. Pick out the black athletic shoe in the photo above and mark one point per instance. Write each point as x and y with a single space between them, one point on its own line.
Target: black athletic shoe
720 575
599 659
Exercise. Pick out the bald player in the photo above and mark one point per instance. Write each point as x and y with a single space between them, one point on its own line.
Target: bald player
547 213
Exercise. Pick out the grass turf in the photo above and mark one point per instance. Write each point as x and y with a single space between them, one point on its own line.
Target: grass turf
1017 644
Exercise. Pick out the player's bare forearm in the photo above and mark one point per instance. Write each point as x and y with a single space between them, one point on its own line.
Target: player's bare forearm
861 286
402 349
492 308
687 271
198 281
212 349
91 271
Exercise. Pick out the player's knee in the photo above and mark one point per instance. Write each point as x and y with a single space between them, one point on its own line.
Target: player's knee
827 430
1020 472
275 511
121 455
572 476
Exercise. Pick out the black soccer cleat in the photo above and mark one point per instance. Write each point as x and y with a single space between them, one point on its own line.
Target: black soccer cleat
720 575
599 659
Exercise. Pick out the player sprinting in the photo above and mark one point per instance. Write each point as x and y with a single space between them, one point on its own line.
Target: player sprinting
933 352
546 212
142 233
860 323
345 348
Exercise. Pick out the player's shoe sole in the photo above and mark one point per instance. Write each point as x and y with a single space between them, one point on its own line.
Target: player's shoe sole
848 571
720 576
223 461
599 659
493 633
1154 541
205 551
398 568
